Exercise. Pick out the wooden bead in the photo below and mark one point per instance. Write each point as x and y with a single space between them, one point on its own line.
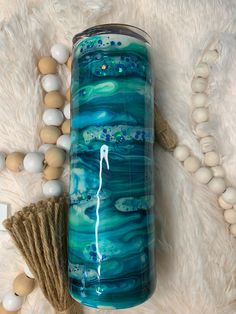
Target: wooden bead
14 161
54 100
200 115
229 195
199 84
232 230
69 62
28 272
230 216
23 285
3 311
202 130
47 65
60 53
202 70
49 134
191 164
217 185
52 173
211 159
223 204
68 94
51 82
207 144
64 142
55 157
210 56
199 100
181 152
12 302
218 171
203 175
53 188
66 127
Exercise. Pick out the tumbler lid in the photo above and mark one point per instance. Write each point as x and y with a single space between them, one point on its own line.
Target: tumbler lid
113 28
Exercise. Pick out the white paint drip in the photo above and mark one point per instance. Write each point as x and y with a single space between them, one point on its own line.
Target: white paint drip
103 155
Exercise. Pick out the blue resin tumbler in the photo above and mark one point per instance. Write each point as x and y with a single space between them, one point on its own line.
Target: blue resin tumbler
111 215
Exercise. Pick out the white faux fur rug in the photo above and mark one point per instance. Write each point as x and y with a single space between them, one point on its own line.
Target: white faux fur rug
196 259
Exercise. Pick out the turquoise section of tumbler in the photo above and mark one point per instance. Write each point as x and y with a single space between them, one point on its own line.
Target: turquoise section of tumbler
111 215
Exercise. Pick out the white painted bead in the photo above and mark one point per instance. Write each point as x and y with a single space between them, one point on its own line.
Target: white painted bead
44 147
12 302
199 84
232 230
2 161
229 195
230 216
53 188
199 99
53 117
28 272
200 115
211 159
191 164
203 175
201 130
217 185
210 56
66 111
202 70
33 162
51 82
181 152
223 204
60 53
64 142
207 144
218 171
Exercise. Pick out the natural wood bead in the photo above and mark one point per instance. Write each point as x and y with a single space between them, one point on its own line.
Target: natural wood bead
3 311
55 157
69 62
54 100
68 94
66 127
23 285
52 173
211 159
49 134
192 164
14 161
230 216
47 65
210 56
223 204
232 229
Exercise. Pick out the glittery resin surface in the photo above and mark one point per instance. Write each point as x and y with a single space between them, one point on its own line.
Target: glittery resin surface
111 218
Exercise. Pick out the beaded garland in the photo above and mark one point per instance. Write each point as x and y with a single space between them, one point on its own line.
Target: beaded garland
49 158
55 133
23 285
209 171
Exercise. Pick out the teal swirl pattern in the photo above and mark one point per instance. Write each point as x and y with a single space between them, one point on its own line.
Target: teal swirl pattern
111 218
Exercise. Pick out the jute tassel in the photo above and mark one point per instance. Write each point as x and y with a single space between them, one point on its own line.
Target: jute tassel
40 233
165 136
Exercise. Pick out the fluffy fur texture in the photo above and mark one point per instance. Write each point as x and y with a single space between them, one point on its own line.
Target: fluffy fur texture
196 256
